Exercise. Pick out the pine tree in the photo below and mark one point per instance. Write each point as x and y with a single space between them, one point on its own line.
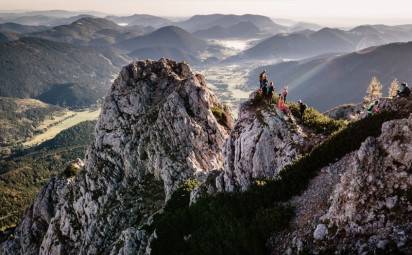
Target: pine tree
393 89
374 91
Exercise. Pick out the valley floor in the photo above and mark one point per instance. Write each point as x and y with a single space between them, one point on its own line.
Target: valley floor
60 123
228 84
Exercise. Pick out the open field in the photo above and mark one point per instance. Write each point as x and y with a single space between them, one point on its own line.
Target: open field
60 123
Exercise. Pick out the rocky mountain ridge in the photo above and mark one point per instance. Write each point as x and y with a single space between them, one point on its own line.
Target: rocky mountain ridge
156 130
162 129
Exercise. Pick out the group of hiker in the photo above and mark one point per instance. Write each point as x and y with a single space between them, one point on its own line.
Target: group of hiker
268 90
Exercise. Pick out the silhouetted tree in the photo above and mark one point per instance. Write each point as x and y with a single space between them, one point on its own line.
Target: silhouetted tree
374 91
393 89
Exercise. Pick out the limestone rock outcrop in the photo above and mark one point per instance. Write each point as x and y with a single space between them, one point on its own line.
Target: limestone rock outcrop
361 204
155 131
264 140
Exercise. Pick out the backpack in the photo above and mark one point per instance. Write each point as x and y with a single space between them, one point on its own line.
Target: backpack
303 107
407 91
270 90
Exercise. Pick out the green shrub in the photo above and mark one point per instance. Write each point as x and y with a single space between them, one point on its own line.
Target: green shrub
316 121
241 222
71 170
222 115
261 100
181 196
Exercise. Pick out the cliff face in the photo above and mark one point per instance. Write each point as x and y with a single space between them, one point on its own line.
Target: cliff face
371 207
156 130
361 204
263 141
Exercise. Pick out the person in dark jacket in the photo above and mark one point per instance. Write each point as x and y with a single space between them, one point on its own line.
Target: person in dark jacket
263 79
302 109
270 91
404 90
285 93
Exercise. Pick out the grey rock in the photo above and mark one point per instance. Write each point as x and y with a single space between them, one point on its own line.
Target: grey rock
320 232
263 142
156 130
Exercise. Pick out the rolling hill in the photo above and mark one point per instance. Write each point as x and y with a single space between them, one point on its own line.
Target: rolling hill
42 20
327 81
308 43
91 31
169 37
20 29
202 22
140 20
299 45
32 66
241 30
47 18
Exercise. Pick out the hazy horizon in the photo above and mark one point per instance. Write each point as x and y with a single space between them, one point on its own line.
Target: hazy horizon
332 13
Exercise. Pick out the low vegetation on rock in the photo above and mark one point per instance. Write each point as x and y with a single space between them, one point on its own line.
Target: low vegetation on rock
316 121
222 115
242 222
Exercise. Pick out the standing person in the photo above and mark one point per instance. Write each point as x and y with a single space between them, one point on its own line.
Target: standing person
302 109
281 103
263 79
404 90
270 90
285 93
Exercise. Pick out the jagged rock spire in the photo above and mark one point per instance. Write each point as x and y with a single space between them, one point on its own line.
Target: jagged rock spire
156 130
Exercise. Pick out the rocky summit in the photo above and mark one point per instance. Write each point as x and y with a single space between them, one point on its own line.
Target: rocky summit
263 141
156 130
168 172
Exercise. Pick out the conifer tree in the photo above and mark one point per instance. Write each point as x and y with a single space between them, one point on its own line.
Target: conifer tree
393 89
374 91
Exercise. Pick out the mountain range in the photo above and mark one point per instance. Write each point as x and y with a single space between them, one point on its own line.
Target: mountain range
308 43
170 36
91 31
140 20
244 29
186 40
202 22
32 66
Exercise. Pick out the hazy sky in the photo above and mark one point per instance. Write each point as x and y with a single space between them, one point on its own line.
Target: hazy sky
337 12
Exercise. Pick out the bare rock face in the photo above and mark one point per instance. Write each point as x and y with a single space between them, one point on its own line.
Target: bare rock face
371 208
345 112
361 204
155 131
263 141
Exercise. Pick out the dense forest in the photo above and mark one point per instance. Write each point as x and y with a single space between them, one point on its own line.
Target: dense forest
25 173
